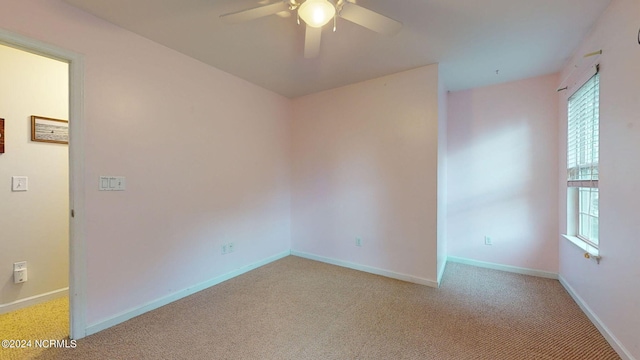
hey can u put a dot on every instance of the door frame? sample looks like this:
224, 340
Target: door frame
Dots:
77, 260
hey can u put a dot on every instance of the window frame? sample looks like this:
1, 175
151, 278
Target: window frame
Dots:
576, 181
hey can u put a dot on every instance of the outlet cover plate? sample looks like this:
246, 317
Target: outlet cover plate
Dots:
20, 276
19, 183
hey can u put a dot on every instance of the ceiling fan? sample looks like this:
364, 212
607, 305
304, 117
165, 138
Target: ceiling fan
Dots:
316, 14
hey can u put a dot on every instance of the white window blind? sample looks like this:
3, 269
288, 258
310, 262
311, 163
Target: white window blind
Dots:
583, 156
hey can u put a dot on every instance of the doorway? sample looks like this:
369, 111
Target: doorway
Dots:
74, 212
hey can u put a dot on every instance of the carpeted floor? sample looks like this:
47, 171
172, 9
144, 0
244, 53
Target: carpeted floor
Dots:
49, 320
301, 309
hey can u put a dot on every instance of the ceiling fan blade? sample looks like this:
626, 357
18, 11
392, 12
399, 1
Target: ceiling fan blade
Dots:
312, 39
255, 13
369, 19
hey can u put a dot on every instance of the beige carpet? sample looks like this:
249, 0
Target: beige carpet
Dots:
49, 320
300, 309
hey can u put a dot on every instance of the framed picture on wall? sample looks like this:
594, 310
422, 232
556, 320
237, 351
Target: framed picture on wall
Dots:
49, 130
1, 136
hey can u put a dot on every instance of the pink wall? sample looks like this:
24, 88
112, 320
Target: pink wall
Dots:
502, 171
365, 165
611, 290
206, 158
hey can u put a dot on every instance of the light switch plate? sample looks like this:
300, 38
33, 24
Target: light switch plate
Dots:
111, 183
19, 183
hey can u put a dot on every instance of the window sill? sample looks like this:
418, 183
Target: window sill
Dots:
582, 245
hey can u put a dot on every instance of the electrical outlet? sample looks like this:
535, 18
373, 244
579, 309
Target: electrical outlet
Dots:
19, 272
228, 248
358, 242
488, 241
19, 183
20, 276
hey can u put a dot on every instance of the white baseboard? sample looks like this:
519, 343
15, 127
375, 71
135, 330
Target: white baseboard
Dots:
129, 314
441, 270
507, 268
613, 341
369, 269
33, 300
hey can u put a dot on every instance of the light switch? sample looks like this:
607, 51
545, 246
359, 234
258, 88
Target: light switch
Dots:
19, 183
112, 183
104, 183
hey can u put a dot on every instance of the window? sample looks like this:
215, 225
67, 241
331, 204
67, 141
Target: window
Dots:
582, 162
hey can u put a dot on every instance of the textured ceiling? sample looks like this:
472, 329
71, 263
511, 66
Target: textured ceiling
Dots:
469, 39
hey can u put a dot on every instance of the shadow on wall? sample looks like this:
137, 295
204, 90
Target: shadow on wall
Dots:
490, 186
501, 159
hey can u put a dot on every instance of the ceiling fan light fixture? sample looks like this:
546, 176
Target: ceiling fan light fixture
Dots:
317, 13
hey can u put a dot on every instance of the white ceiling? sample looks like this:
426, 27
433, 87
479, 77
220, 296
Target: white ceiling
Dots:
471, 39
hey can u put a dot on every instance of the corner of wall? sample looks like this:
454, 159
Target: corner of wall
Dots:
442, 176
